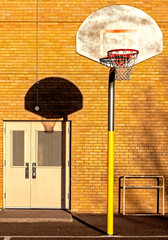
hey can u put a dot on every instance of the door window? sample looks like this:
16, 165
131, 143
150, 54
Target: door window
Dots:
18, 148
50, 148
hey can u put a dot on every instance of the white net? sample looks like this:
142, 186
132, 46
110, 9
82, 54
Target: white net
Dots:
123, 73
122, 60
48, 126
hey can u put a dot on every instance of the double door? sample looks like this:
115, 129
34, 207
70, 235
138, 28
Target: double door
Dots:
36, 165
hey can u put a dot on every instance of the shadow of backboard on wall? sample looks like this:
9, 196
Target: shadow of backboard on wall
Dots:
57, 98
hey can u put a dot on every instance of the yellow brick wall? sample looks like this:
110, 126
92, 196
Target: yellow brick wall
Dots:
141, 106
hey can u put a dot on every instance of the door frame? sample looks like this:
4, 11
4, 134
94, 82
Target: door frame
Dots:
4, 159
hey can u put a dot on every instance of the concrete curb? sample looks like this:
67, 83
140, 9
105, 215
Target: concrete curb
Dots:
31, 220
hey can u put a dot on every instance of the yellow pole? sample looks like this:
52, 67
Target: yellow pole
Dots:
110, 182
110, 214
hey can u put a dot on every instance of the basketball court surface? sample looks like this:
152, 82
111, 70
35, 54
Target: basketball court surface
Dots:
90, 226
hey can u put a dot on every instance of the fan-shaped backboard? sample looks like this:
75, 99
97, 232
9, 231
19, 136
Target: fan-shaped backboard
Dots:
118, 27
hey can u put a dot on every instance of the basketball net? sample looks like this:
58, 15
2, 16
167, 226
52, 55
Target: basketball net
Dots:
122, 60
123, 73
48, 126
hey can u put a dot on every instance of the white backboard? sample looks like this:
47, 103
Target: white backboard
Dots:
117, 27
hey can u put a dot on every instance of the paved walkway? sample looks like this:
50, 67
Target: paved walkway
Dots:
88, 226
35, 216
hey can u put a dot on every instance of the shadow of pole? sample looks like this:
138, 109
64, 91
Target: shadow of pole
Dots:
89, 225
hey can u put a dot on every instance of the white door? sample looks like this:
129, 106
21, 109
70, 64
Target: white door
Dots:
17, 151
36, 165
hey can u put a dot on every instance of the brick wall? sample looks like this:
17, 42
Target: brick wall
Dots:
141, 112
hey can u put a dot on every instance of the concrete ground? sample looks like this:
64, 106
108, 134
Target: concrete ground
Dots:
89, 226
22, 215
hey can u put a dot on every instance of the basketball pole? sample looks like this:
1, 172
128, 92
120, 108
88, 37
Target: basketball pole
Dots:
110, 214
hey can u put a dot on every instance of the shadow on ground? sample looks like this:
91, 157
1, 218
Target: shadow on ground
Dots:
92, 225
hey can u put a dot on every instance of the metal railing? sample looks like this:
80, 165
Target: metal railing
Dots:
158, 187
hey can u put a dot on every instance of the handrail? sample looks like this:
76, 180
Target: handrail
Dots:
158, 186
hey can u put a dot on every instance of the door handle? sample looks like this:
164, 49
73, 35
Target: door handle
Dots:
34, 170
27, 170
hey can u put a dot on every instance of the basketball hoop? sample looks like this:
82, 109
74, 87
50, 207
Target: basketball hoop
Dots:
122, 60
48, 126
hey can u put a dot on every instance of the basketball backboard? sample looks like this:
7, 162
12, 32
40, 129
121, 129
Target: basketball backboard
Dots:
119, 27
